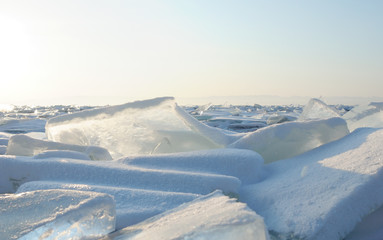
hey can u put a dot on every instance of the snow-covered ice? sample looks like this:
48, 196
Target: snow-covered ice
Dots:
244, 164
213, 216
323, 193
56, 214
22, 145
16, 170
289, 139
132, 205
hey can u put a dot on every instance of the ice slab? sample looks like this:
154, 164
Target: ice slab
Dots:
317, 109
367, 115
16, 170
323, 193
132, 205
22, 145
56, 214
289, 139
214, 216
244, 164
141, 127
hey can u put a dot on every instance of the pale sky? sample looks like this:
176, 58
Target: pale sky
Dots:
140, 49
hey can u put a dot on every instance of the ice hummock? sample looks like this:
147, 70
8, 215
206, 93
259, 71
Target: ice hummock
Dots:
22, 145
56, 214
213, 216
317, 109
322, 194
141, 127
289, 139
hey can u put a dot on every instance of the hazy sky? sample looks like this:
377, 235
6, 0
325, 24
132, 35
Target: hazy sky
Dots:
191, 48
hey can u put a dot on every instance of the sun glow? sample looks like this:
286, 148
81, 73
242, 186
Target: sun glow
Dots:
15, 51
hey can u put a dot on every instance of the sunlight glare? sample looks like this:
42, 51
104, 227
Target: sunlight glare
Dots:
14, 49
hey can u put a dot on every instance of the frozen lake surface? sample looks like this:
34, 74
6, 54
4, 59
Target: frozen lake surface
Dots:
155, 170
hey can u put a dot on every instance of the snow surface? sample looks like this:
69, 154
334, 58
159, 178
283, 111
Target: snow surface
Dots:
56, 214
213, 216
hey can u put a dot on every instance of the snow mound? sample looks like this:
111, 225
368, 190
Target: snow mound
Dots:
141, 127
370, 115
214, 216
324, 193
56, 214
289, 139
22, 145
317, 109
246, 165
132, 205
